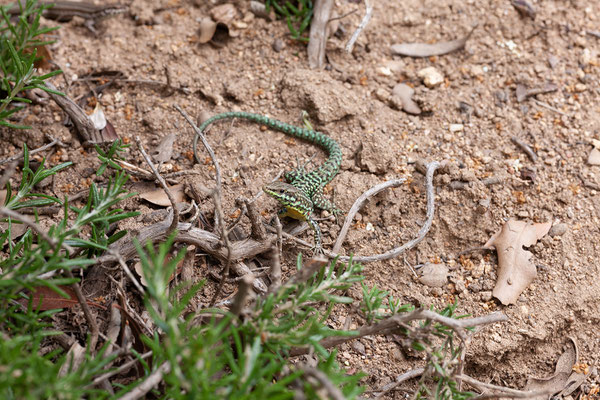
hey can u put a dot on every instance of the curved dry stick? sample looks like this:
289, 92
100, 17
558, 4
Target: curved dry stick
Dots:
175, 219
216, 195
363, 24
459, 326
504, 391
149, 383
209, 149
31, 152
358, 205
395, 252
33, 226
413, 373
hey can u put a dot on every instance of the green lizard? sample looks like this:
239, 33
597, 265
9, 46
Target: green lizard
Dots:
303, 191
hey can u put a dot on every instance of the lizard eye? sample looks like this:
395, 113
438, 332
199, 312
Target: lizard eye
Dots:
281, 191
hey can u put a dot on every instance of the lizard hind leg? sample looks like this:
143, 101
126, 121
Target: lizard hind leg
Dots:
323, 203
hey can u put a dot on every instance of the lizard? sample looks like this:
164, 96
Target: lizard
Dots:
64, 11
303, 190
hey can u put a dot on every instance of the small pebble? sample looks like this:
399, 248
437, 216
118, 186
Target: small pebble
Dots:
483, 205
384, 71
358, 347
278, 45
431, 76
594, 157
434, 275
456, 127
486, 295
586, 57
558, 230
382, 94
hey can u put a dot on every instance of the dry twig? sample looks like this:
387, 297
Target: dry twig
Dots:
358, 205
332, 390
53, 143
175, 219
525, 147
318, 33
459, 326
395, 252
82, 121
363, 24
503, 391
413, 373
149, 383
242, 295
216, 195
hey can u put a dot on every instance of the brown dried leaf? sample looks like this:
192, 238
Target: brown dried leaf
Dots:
140, 271
44, 298
164, 150
75, 357
515, 270
109, 133
427, 50
159, 197
564, 380
16, 230
404, 93
522, 92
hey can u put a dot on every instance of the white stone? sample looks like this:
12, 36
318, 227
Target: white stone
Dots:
431, 77
456, 127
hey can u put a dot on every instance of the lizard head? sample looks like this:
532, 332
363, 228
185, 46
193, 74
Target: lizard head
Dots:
295, 201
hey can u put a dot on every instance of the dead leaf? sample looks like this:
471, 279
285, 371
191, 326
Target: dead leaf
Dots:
564, 380
16, 230
404, 94
98, 117
138, 268
163, 152
109, 133
74, 359
44, 298
522, 92
140, 271
43, 58
427, 50
159, 197
515, 270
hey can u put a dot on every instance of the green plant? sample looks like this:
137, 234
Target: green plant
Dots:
374, 307
297, 14
443, 359
37, 259
18, 43
244, 357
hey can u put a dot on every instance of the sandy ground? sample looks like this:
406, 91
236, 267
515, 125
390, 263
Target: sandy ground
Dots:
468, 119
